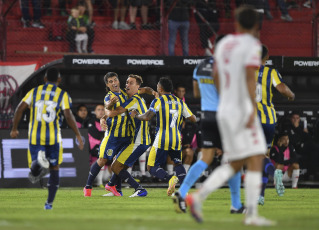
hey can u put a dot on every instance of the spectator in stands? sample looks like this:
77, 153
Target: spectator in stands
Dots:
96, 135
284, 157
228, 8
120, 7
206, 16
48, 9
144, 4
283, 9
81, 116
36, 14
77, 32
84, 14
178, 21
90, 10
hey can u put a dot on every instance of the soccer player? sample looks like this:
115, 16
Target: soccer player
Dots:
237, 57
45, 146
117, 136
169, 111
140, 141
268, 78
204, 88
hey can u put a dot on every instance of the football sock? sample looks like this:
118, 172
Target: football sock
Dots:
286, 177
186, 167
180, 173
252, 191
118, 184
219, 176
170, 169
295, 178
191, 177
234, 186
35, 168
269, 168
160, 173
129, 170
264, 185
113, 180
53, 185
141, 161
95, 169
124, 175
98, 178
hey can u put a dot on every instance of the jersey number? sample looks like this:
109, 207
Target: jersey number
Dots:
258, 92
49, 114
175, 116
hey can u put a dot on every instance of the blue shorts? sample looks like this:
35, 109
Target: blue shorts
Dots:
111, 146
269, 131
131, 153
158, 157
54, 153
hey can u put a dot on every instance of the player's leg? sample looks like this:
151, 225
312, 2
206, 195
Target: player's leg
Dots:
188, 155
37, 171
293, 173
234, 186
156, 158
170, 166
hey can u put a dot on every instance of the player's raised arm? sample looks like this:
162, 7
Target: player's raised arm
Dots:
72, 123
16, 119
285, 91
147, 90
143, 117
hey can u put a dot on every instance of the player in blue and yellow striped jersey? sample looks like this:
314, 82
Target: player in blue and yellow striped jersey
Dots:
267, 78
170, 112
141, 137
45, 103
119, 133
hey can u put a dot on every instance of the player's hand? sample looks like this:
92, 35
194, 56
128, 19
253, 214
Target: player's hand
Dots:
155, 94
133, 113
251, 120
291, 98
14, 133
81, 144
114, 100
103, 124
218, 152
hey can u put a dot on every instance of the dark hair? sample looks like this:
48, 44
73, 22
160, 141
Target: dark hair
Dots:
218, 38
264, 52
180, 86
109, 75
247, 16
138, 78
79, 107
294, 113
283, 133
166, 84
52, 74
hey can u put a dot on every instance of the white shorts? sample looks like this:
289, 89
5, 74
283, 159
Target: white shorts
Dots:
241, 142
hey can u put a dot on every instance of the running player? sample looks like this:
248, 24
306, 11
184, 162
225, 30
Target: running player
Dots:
237, 57
169, 111
204, 88
267, 78
45, 146
141, 137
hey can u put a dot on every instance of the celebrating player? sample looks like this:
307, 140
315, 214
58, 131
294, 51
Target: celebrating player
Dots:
169, 111
45, 146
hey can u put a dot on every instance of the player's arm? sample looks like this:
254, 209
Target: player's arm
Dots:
17, 117
196, 91
147, 90
72, 124
110, 103
143, 117
187, 113
251, 86
215, 76
112, 113
285, 91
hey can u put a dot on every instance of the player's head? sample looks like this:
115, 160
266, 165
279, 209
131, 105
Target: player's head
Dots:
247, 19
52, 75
180, 91
264, 53
99, 111
82, 111
283, 139
112, 81
165, 85
133, 83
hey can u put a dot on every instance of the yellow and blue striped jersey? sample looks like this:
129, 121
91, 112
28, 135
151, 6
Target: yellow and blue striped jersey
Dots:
170, 111
118, 126
46, 102
266, 78
141, 134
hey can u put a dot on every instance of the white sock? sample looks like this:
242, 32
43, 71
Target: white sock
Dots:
219, 176
142, 161
129, 170
252, 191
98, 178
285, 177
106, 174
295, 178
186, 166
170, 169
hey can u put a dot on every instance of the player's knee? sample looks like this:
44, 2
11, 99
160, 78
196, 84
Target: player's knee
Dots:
101, 162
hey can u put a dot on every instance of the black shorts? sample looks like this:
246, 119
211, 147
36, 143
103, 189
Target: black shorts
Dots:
140, 2
114, 3
210, 137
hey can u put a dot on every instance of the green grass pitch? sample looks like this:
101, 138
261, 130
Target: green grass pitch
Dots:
23, 209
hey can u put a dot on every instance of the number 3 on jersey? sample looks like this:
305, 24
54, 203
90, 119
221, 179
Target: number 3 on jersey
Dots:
49, 113
174, 112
